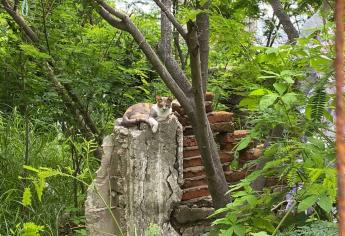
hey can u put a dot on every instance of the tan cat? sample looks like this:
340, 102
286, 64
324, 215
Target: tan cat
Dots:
148, 113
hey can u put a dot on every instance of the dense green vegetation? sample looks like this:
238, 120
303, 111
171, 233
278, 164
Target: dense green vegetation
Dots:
280, 91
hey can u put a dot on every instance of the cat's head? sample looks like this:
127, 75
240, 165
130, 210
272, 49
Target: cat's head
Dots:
164, 103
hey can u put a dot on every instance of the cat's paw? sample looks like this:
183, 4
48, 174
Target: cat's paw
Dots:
154, 128
153, 124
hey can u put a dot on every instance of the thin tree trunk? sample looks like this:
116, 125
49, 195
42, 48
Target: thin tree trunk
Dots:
166, 34
215, 176
202, 21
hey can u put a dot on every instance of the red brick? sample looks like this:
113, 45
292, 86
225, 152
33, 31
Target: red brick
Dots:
240, 133
226, 156
184, 121
250, 154
194, 182
235, 176
191, 153
223, 127
192, 161
227, 147
226, 138
177, 108
195, 192
209, 96
192, 172
187, 131
195, 171
219, 116
189, 141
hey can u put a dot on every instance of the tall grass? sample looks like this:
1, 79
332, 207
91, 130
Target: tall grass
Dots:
47, 147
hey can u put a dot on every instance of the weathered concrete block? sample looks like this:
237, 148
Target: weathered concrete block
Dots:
141, 179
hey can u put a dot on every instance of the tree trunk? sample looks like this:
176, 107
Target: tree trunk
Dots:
285, 20
215, 176
166, 34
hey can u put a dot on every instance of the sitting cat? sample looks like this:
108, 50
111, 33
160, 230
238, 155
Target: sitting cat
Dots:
148, 113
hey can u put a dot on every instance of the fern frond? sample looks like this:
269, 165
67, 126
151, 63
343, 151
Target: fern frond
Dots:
318, 104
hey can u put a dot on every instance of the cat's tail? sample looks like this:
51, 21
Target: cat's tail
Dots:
126, 122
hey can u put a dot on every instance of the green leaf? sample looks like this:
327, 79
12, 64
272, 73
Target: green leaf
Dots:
251, 199
280, 88
258, 92
239, 230
250, 102
268, 100
326, 203
227, 232
307, 202
328, 116
26, 197
289, 99
243, 143
271, 150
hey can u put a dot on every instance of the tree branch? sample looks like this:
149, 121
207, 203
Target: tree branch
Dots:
128, 25
31, 35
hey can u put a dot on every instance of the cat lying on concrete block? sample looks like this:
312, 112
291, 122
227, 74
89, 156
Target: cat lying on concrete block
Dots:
148, 113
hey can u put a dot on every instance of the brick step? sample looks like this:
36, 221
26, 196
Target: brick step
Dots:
235, 175
252, 153
234, 137
213, 117
225, 157
200, 179
194, 182
195, 192
195, 171
222, 127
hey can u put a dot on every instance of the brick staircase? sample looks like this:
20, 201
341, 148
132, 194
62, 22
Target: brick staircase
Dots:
195, 184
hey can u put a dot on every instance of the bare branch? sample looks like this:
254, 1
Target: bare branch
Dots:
177, 74
111, 10
106, 15
172, 19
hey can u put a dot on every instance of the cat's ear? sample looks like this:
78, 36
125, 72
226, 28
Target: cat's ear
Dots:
170, 99
158, 98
